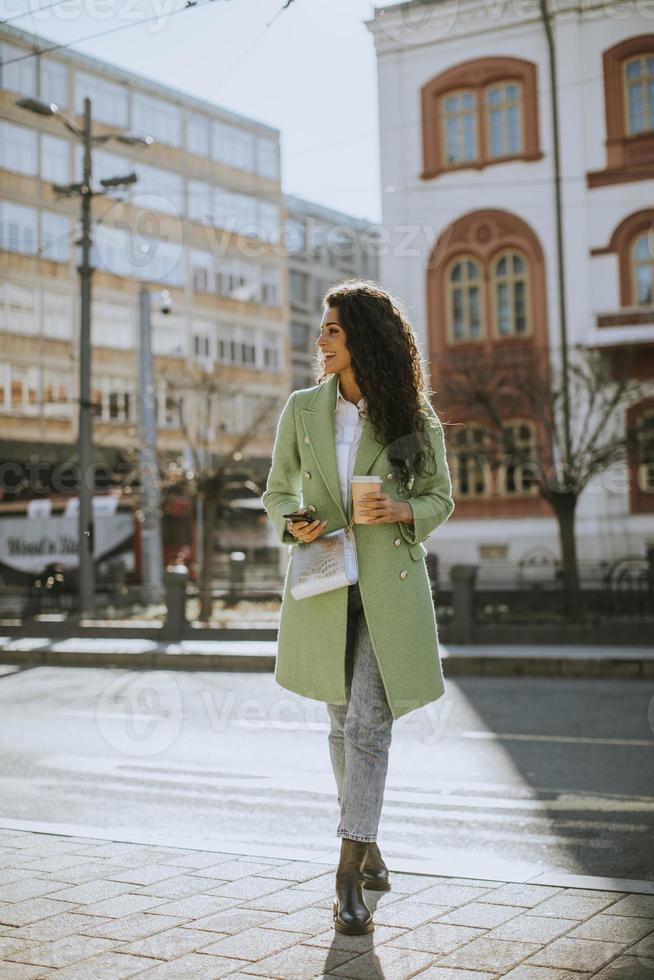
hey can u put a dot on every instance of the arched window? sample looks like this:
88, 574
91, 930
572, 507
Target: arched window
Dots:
517, 470
510, 304
504, 119
642, 268
470, 462
639, 93
459, 121
480, 112
645, 451
464, 300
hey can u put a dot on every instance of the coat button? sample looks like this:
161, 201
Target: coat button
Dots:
311, 508
397, 542
403, 573
389, 476
306, 439
307, 475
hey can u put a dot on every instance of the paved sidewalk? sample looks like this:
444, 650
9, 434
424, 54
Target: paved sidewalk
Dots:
86, 908
563, 660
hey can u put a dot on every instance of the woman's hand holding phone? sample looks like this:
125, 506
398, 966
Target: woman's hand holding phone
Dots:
302, 528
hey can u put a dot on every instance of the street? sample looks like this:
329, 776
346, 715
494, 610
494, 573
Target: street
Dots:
556, 775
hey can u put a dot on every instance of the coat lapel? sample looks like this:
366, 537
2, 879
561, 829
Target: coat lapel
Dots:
319, 425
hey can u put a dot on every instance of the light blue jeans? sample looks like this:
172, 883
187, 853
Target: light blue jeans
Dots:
360, 732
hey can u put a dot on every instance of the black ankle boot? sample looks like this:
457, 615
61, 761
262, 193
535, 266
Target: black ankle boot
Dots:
375, 873
351, 914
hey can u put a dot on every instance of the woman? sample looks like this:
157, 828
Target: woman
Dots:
370, 651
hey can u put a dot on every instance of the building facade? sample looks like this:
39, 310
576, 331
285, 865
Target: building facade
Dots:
204, 221
324, 247
469, 208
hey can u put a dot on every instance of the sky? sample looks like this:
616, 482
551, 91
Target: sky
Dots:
311, 74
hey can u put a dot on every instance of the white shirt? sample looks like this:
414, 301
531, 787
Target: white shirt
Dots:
348, 426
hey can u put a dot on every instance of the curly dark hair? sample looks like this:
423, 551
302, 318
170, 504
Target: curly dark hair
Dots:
388, 369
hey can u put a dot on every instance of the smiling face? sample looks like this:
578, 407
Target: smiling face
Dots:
332, 341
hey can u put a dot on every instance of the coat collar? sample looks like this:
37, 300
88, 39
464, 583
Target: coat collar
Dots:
318, 418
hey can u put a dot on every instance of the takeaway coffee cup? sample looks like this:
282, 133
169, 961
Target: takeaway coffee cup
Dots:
362, 485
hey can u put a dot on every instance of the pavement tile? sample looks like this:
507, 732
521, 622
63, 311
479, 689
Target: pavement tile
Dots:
287, 900
196, 906
447, 973
408, 913
480, 915
195, 965
23, 913
133, 927
252, 944
613, 928
88, 871
106, 966
517, 893
126, 904
195, 859
300, 963
526, 972
53, 862
634, 905
532, 928
91, 892
407, 884
249, 888
64, 951
180, 887
293, 871
321, 882
236, 919
433, 937
19, 891
627, 968
489, 954
445, 894
21, 971
170, 944
58, 926
148, 874
310, 920
576, 954
359, 944
644, 948
235, 868
388, 962
13, 944
7, 875
569, 905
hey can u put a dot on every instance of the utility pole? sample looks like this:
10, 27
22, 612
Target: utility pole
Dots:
152, 551
85, 191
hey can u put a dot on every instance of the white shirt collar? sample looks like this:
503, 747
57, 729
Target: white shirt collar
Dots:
360, 405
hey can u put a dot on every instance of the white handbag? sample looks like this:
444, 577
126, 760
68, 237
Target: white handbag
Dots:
329, 562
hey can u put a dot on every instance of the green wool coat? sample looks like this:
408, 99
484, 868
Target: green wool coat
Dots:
393, 579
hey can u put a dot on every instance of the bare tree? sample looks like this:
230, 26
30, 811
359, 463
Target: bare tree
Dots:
197, 396
493, 389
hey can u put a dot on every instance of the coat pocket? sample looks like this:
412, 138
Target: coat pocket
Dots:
417, 550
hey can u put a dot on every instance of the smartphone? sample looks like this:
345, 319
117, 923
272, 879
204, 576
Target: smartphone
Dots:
296, 517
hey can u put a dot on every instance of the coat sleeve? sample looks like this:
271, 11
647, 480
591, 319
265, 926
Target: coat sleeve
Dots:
432, 502
283, 488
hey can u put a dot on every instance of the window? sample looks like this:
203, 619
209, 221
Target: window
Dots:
57, 394
202, 346
18, 149
510, 295
155, 117
113, 326
198, 135
271, 284
642, 264
233, 146
480, 112
516, 472
272, 350
465, 300
55, 237
113, 399
295, 234
470, 462
503, 119
164, 188
299, 287
459, 127
169, 336
55, 159
17, 69
54, 82
109, 101
301, 337
239, 280
268, 219
18, 226
268, 158
57, 315
639, 93
18, 309
200, 201
646, 451
202, 271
